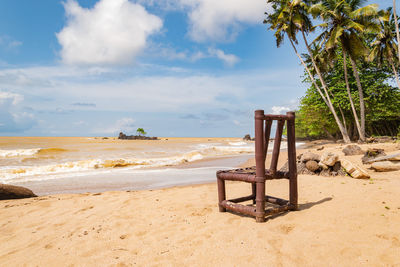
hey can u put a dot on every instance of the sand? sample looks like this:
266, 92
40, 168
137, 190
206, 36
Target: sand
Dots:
341, 222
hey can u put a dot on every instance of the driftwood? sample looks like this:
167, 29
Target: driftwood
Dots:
394, 157
258, 175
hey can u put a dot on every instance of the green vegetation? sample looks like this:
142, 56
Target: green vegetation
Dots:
349, 66
140, 132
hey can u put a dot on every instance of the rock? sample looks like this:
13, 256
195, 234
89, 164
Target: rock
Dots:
310, 156
354, 170
352, 150
371, 154
393, 157
386, 166
285, 167
323, 166
371, 140
337, 166
329, 158
320, 148
341, 172
312, 165
247, 137
301, 169
123, 136
13, 192
326, 173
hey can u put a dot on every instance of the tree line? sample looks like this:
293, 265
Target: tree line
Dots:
354, 52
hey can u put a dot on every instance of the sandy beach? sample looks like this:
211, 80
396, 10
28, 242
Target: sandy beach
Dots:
341, 222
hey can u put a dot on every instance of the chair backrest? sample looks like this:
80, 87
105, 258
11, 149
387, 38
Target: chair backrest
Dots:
262, 137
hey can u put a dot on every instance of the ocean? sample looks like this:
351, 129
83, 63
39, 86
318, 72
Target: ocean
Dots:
90, 164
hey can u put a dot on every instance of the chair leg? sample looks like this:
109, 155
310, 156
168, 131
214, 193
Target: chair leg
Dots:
221, 193
253, 192
260, 202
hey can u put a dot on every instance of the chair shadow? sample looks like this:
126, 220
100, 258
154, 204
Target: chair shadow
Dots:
300, 208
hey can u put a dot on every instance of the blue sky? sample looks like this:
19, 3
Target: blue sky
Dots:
172, 67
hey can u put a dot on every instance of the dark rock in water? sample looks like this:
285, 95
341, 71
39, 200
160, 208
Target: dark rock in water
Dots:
352, 150
123, 136
13, 192
247, 137
371, 154
312, 165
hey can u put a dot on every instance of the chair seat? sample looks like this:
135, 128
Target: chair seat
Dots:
249, 174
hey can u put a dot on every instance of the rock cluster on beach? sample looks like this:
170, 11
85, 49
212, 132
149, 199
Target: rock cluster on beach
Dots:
331, 164
14, 192
135, 137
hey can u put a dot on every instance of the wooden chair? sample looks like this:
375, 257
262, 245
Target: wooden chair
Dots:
258, 175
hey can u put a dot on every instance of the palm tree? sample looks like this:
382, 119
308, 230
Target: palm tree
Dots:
384, 46
288, 18
345, 22
397, 28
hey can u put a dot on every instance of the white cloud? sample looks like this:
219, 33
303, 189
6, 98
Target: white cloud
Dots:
113, 32
9, 42
221, 19
125, 125
228, 59
12, 117
10, 98
279, 109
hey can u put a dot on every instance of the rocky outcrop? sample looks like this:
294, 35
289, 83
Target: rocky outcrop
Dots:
350, 150
353, 170
247, 137
386, 166
135, 137
14, 192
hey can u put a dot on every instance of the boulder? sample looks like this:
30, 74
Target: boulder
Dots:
372, 153
326, 173
323, 166
353, 170
386, 166
310, 156
329, 158
301, 169
337, 166
13, 192
393, 157
312, 165
352, 150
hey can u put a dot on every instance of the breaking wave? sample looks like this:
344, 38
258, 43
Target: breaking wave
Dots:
13, 153
25, 173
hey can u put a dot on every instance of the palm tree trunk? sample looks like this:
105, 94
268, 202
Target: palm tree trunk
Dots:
346, 79
361, 96
397, 28
342, 129
309, 72
395, 72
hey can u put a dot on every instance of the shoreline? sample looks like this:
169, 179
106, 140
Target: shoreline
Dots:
341, 221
